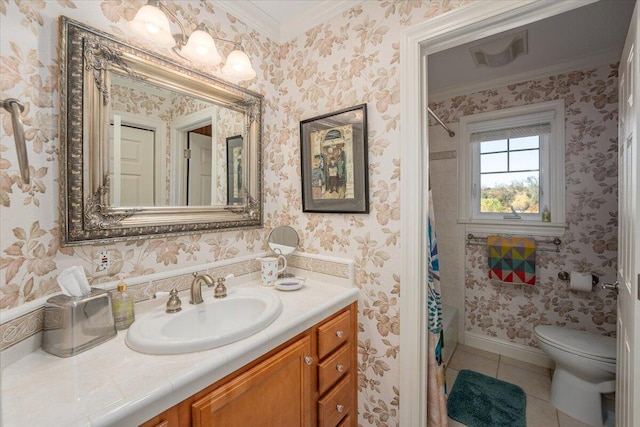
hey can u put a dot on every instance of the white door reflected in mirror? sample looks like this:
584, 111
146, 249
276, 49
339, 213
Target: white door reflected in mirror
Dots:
200, 170
131, 175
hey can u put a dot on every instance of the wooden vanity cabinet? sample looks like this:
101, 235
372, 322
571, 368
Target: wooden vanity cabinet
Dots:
309, 381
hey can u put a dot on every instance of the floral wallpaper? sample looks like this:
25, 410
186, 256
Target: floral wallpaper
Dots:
511, 313
31, 255
351, 59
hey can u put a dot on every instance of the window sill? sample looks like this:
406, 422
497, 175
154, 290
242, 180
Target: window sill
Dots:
518, 227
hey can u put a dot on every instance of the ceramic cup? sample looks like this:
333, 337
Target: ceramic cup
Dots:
270, 269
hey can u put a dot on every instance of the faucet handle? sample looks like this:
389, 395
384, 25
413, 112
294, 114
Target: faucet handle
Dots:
220, 290
174, 304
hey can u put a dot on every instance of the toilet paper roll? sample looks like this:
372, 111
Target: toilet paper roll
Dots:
580, 282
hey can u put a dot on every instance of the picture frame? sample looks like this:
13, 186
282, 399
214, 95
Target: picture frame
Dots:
334, 162
235, 190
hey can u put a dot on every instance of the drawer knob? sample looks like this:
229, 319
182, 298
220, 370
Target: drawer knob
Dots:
339, 334
340, 408
339, 367
308, 360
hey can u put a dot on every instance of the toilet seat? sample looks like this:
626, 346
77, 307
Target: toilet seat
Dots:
581, 343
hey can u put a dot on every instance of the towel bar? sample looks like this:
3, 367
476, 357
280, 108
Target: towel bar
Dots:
482, 241
15, 107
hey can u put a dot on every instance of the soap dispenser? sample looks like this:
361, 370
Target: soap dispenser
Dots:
546, 215
123, 307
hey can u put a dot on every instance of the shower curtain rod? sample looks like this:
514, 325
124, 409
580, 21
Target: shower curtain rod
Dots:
449, 131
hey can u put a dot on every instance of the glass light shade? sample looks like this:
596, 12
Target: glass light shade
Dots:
238, 66
201, 48
153, 25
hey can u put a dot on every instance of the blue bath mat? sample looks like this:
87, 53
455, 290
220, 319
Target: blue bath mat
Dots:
478, 400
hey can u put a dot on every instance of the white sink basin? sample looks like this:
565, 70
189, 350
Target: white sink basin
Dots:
214, 323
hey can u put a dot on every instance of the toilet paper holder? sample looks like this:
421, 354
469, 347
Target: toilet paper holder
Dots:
564, 276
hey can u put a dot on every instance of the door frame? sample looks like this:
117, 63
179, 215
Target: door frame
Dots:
465, 24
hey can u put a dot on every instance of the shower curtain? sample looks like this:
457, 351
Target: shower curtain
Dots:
436, 386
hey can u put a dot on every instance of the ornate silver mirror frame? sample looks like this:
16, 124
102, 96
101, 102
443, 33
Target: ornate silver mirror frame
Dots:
87, 59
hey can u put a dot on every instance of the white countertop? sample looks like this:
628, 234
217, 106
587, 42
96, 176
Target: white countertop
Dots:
114, 385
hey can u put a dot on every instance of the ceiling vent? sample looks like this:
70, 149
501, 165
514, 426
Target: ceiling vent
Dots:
500, 52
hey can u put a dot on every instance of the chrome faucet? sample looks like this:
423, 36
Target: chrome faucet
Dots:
196, 287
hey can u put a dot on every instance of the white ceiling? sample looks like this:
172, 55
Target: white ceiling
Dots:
587, 36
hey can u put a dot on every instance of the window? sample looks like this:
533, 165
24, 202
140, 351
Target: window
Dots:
507, 173
511, 168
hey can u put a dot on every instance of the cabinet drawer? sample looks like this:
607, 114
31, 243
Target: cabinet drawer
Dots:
333, 334
332, 369
336, 404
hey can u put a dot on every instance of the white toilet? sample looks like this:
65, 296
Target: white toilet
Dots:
585, 368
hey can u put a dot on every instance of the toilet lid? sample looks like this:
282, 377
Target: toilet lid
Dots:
581, 343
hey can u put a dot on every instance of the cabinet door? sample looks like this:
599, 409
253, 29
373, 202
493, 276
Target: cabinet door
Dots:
276, 392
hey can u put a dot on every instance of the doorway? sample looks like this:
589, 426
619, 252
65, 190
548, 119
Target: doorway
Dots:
474, 21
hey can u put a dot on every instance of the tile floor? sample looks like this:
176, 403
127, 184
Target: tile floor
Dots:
534, 380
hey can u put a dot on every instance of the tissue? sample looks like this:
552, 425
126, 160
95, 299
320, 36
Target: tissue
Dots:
580, 282
73, 282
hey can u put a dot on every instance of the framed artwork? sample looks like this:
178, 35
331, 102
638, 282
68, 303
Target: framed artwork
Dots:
235, 190
333, 151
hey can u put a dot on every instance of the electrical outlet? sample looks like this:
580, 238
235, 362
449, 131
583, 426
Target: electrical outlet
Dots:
103, 263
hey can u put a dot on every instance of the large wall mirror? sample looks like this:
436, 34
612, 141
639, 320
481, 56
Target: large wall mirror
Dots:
150, 148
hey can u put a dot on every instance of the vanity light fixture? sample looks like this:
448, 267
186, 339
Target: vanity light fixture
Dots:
152, 24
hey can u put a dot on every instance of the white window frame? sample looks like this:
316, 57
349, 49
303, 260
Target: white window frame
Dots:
552, 174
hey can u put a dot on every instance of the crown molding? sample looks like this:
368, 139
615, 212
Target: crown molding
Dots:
253, 17
599, 58
282, 32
